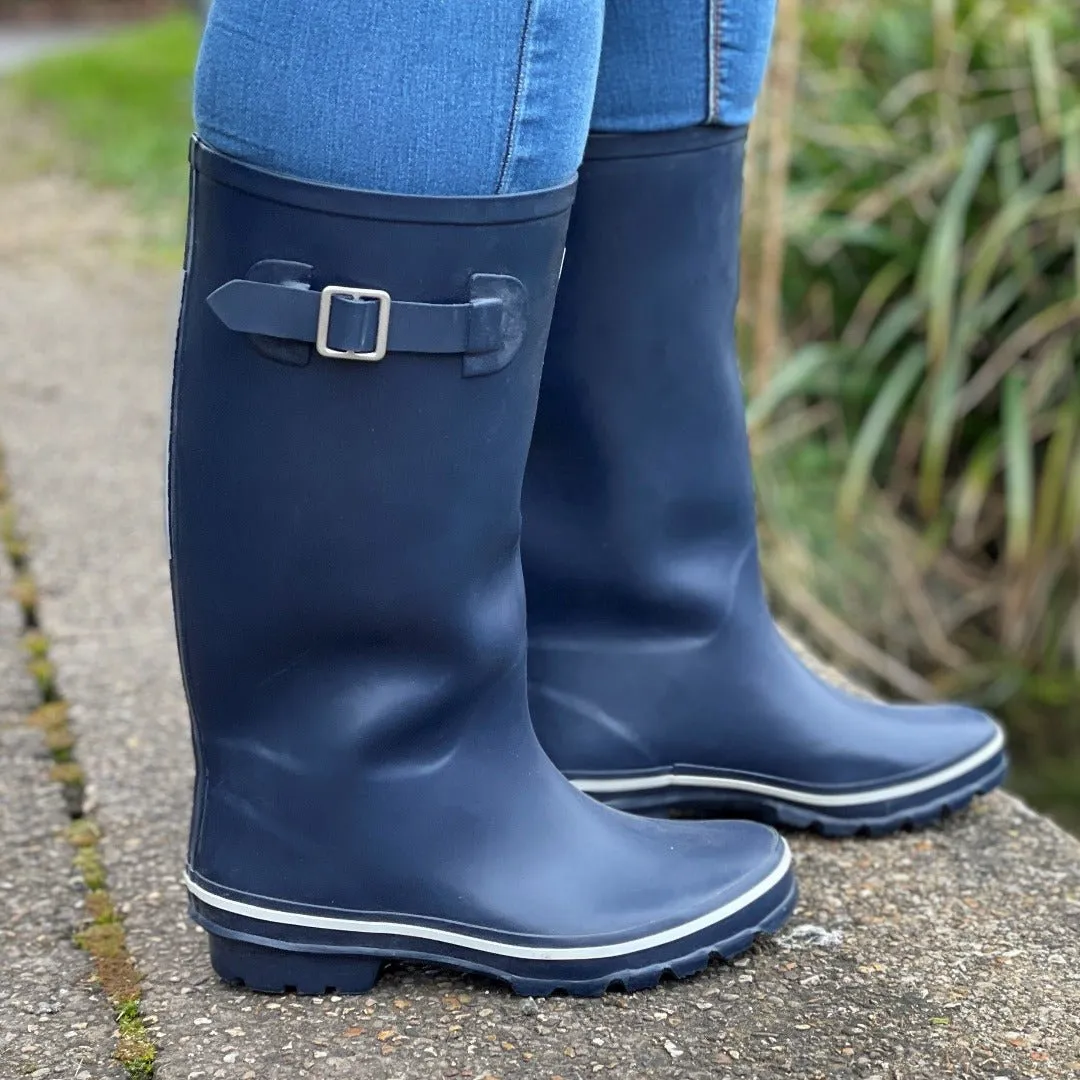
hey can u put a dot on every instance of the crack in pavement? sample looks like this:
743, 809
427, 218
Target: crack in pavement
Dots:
101, 932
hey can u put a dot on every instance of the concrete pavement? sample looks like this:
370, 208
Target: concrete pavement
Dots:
952, 953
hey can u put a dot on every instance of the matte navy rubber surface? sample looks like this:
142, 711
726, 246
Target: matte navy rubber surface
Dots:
262, 963
653, 657
351, 611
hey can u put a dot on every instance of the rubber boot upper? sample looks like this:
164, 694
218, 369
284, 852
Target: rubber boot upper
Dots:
652, 649
349, 595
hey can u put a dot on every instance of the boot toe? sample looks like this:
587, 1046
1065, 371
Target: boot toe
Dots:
724, 882
953, 734
902, 749
903, 766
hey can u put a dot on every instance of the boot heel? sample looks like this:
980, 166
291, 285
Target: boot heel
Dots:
274, 971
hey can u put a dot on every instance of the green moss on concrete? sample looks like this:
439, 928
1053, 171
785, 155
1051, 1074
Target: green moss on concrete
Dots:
83, 833
24, 592
36, 644
135, 1050
88, 862
99, 907
43, 673
67, 772
60, 744
103, 938
49, 716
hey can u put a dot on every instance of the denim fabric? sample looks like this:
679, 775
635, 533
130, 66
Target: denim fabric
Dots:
667, 64
740, 35
453, 97
431, 97
654, 66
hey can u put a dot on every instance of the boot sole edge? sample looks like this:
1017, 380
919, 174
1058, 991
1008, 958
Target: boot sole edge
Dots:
868, 820
271, 965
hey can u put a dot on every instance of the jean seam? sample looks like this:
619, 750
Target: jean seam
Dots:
519, 94
712, 112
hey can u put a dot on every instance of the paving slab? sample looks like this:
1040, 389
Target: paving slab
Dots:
951, 953
54, 1023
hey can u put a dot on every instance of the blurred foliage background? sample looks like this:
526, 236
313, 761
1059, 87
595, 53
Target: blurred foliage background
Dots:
910, 325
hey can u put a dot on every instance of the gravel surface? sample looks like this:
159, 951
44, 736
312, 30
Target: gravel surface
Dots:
952, 953
53, 1023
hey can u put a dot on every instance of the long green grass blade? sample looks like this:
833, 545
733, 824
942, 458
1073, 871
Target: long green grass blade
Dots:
1055, 321
1010, 219
875, 297
1069, 536
893, 328
945, 406
794, 376
948, 361
991, 311
1045, 74
973, 487
1019, 470
875, 429
940, 268
1053, 484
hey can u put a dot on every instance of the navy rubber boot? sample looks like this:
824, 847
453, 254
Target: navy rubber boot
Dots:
658, 679
353, 398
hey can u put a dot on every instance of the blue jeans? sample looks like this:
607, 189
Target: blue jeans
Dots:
460, 97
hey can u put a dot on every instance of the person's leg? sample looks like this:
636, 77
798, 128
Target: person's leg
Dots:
433, 97
667, 65
353, 398
657, 676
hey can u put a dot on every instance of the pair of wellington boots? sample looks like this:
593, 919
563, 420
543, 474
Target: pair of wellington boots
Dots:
354, 532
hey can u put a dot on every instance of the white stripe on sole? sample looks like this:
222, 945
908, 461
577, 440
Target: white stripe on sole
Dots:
615, 785
498, 948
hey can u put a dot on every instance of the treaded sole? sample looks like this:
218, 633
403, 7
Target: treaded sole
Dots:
264, 968
787, 815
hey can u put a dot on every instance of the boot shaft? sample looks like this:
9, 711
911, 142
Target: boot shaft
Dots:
638, 502
345, 533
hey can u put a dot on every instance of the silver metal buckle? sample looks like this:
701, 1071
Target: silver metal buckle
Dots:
382, 334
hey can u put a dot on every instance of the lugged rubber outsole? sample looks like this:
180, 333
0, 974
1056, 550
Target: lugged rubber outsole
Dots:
787, 815
263, 966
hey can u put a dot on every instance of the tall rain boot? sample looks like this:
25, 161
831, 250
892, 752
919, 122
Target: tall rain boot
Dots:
658, 679
354, 393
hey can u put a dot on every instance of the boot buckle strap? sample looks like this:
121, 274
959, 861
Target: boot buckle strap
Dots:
322, 327
287, 317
